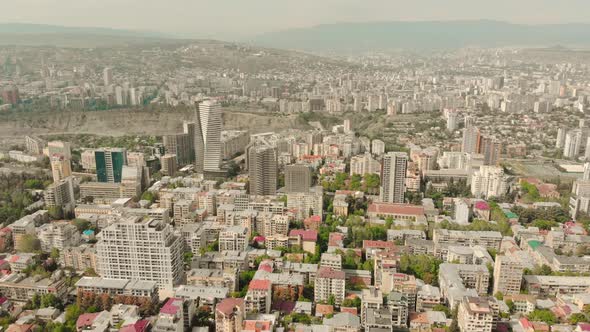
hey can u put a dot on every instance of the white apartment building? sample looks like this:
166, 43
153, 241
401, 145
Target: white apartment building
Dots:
488, 182
143, 249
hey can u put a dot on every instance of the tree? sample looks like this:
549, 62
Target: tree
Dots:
331, 299
499, 296
56, 212
511, 306
149, 196
72, 313
81, 224
29, 243
577, 318
442, 308
50, 300
543, 315
54, 254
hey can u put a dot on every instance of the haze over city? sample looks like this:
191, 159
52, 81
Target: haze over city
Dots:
236, 20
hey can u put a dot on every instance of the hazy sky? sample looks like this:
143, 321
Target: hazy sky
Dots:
234, 19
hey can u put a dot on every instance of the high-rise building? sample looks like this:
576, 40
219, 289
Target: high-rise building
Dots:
572, 144
508, 273
109, 164
152, 252
60, 167
60, 194
169, 165
471, 137
107, 76
489, 181
364, 164
452, 121
207, 144
262, 169
34, 145
377, 147
297, 178
393, 177
560, 141
491, 149
180, 145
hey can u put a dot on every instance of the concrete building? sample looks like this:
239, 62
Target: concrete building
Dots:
297, 178
329, 282
489, 181
152, 252
59, 235
508, 273
364, 164
393, 177
229, 315
61, 194
34, 145
233, 238
169, 164
475, 315
262, 170
60, 167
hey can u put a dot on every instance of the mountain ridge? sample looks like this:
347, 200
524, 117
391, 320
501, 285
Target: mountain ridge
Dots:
387, 35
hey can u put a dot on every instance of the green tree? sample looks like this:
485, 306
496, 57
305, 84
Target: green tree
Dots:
543, 315
442, 308
331, 299
577, 318
54, 254
499, 296
56, 212
29, 243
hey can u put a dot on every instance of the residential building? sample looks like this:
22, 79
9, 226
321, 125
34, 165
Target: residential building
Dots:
508, 273
475, 315
297, 178
262, 169
393, 177
329, 283
152, 252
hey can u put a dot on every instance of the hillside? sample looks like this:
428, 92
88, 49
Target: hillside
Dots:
376, 36
129, 122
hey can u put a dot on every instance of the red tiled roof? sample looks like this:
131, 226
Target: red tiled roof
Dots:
335, 239
86, 320
139, 326
171, 307
330, 273
396, 209
226, 306
351, 310
324, 309
306, 235
259, 285
378, 244
257, 325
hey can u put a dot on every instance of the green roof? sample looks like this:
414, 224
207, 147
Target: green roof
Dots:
510, 215
534, 244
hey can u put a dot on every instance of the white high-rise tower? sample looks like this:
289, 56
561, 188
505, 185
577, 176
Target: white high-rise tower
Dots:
208, 145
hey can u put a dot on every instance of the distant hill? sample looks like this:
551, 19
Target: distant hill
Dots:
41, 34
358, 37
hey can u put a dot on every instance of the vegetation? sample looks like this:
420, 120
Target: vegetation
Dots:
29, 243
543, 315
15, 195
422, 266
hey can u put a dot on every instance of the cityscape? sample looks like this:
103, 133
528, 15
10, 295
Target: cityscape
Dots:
303, 180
